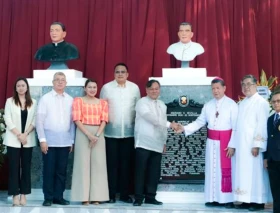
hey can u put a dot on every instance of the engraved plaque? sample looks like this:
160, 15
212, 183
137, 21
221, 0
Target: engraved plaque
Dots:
184, 160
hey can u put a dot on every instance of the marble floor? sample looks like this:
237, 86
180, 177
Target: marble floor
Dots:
174, 202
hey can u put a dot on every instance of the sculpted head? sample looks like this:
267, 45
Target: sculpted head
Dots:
249, 85
185, 33
57, 32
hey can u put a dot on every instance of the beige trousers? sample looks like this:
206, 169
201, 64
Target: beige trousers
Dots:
89, 180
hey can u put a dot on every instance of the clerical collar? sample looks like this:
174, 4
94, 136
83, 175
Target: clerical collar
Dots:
59, 43
220, 100
186, 44
253, 95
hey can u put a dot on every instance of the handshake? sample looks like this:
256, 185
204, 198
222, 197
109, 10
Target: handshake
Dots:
177, 128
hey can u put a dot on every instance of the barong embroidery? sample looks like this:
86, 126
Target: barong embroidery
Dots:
259, 138
240, 192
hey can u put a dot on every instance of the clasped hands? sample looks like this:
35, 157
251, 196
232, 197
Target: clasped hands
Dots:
177, 128
22, 137
92, 140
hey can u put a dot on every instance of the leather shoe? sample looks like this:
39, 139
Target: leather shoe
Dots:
126, 200
229, 205
47, 203
137, 203
256, 207
243, 206
212, 204
154, 202
112, 200
61, 202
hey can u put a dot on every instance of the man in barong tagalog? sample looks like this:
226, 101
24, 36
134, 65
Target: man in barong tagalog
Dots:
59, 51
185, 50
220, 115
251, 184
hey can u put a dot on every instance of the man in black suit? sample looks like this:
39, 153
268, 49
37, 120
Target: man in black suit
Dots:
272, 154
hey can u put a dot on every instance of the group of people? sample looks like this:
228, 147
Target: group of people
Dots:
242, 147
121, 137
103, 160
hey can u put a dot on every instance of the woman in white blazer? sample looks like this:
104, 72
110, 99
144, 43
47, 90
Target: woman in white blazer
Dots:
20, 140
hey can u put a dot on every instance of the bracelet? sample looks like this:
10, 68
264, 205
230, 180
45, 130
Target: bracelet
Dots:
96, 135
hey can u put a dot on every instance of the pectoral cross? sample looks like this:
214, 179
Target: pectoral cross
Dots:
217, 114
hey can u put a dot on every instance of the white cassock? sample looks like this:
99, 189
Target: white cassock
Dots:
227, 113
251, 179
185, 52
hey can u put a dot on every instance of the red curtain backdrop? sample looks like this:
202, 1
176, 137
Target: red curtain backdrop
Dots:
239, 36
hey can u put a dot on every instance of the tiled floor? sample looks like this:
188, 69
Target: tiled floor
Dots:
174, 202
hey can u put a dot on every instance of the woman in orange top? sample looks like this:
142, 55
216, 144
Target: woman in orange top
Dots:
89, 181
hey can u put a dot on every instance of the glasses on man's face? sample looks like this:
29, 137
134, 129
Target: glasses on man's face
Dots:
243, 85
120, 72
60, 80
275, 101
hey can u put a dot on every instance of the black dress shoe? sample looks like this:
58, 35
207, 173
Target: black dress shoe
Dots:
126, 200
243, 206
47, 203
137, 203
112, 200
256, 207
212, 204
61, 202
229, 205
153, 201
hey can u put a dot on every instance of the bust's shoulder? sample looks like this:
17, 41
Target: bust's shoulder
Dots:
70, 45
46, 46
173, 46
197, 45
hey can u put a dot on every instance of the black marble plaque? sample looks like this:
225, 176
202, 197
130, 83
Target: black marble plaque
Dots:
184, 160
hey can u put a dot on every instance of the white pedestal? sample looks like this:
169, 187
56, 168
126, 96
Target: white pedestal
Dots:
45, 77
183, 72
184, 76
70, 73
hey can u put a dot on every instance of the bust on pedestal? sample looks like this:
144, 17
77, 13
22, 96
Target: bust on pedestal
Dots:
185, 50
59, 51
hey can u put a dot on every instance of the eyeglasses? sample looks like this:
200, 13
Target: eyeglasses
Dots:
246, 85
60, 80
120, 72
275, 101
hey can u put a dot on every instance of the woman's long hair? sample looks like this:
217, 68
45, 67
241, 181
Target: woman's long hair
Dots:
28, 99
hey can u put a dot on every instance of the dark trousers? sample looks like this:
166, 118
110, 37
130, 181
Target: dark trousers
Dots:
120, 161
54, 172
19, 170
147, 173
274, 178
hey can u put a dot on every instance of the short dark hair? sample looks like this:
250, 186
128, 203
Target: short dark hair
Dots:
150, 83
253, 78
218, 80
89, 81
185, 24
60, 24
121, 64
28, 99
